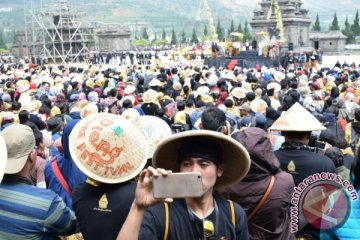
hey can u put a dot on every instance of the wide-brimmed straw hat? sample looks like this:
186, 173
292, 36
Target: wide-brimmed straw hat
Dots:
155, 83
203, 90
131, 114
89, 109
279, 76
297, 119
155, 131
235, 157
238, 93
22, 86
150, 96
258, 105
274, 85
129, 89
129, 97
230, 76
177, 86
108, 148
3, 157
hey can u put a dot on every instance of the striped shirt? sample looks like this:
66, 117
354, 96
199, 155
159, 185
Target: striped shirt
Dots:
28, 212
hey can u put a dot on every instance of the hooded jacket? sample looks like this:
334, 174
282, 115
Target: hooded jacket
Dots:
248, 192
69, 170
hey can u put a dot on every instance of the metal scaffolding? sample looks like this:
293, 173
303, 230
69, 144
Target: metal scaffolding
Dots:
54, 33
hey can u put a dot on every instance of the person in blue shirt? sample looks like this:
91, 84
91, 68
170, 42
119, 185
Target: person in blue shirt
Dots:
350, 229
67, 167
28, 212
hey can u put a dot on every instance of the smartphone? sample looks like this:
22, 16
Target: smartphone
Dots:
320, 145
178, 185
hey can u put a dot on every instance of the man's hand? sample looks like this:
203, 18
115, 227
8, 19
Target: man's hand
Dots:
144, 196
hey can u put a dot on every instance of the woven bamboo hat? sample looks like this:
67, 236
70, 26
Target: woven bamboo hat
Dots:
258, 105
235, 157
88, 110
155, 131
238, 93
150, 96
131, 114
274, 85
297, 119
129, 89
108, 148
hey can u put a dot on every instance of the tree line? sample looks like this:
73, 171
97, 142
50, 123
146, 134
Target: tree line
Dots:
193, 37
350, 30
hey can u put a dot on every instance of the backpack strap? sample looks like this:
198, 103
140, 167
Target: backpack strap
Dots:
232, 211
166, 233
110, 106
263, 199
59, 176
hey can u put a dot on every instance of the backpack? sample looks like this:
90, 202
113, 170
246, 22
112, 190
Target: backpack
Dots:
354, 142
111, 106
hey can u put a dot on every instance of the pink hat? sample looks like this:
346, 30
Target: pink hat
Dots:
8, 116
82, 96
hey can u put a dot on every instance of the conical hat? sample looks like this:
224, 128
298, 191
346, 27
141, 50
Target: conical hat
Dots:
155, 82
108, 148
3, 156
155, 131
297, 119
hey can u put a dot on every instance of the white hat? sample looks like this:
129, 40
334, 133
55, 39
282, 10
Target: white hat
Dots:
258, 105
89, 109
203, 90
129, 89
108, 148
297, 119
128, 97
238, 93
150, 96
155, 82
274, 85
155, 131
131, 114
279, 76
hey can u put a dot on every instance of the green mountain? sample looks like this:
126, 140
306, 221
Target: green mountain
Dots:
167, 14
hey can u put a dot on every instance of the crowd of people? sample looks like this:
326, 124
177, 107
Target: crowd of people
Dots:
80, 145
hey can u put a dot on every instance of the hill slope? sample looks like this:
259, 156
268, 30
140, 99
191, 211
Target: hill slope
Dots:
178, 14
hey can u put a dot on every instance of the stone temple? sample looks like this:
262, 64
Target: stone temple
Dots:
295, 24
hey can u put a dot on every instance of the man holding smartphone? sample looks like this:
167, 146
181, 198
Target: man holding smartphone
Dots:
221, 161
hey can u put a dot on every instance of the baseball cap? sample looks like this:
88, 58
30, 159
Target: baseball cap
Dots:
3, 157
20, 141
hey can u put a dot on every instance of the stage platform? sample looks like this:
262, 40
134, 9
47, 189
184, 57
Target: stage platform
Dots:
246, 59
